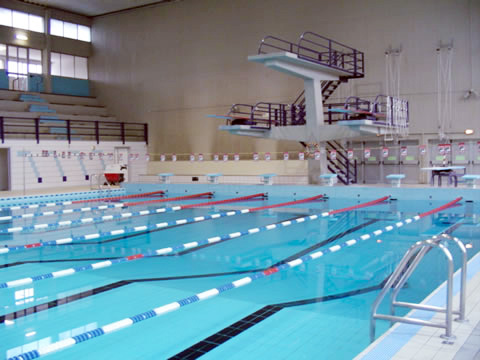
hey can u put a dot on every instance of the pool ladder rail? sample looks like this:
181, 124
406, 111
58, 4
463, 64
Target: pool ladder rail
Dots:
402, 273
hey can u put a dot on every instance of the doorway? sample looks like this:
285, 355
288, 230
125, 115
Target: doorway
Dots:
4, 170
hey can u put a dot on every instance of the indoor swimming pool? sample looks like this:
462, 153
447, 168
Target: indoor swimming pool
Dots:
217, 272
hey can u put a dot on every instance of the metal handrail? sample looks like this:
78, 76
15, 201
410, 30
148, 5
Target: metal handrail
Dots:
16, 125
403, 271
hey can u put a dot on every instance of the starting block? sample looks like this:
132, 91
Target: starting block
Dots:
267, 179
213, 178
396, 179
328, 179
164, 178
471, 180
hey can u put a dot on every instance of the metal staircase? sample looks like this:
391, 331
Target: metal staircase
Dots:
402, 273
345, 168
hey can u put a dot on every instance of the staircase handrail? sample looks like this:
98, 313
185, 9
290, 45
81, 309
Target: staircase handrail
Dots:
347, 161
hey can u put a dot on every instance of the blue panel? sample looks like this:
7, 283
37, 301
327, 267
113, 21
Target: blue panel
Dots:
3, 79
70, 86
35, 83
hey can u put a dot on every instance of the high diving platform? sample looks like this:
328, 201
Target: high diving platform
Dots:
323, 64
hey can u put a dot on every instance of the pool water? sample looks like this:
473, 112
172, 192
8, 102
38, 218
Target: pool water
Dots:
318, 310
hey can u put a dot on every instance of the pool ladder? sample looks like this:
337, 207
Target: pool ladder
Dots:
402, 273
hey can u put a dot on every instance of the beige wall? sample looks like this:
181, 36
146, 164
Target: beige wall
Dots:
171, 65
242, 167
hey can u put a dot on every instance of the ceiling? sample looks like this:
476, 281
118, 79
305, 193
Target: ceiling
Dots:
94, 7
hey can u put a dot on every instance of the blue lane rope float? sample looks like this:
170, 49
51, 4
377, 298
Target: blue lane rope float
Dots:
207, 294
190, 245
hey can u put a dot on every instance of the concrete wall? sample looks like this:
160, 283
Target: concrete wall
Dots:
65, 162
173, 64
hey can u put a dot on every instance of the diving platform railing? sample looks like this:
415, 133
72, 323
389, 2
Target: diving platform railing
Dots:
402, 273
383, 110
320, 50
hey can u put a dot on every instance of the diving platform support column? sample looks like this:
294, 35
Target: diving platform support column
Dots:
314, 112
312, 74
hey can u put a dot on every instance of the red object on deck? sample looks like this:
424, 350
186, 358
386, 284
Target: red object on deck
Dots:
112, 177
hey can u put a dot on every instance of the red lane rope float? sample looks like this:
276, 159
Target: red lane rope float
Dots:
119, 197
359, 206
223, 201
443, 207
287, 203
185, 197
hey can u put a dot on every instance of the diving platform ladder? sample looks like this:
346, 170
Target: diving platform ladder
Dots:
402, 273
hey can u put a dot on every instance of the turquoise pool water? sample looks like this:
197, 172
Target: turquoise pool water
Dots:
318, 310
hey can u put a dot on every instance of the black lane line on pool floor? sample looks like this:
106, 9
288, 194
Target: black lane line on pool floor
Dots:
203, 346
184, 252
98, 290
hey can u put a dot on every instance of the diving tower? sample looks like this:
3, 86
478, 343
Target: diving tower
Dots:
323, 64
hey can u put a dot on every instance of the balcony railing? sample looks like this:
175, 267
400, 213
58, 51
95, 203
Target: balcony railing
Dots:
70, 130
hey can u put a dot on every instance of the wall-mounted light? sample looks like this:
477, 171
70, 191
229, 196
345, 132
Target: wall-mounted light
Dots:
21, 37
469, 131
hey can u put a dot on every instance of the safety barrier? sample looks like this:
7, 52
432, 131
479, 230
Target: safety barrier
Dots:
164, 309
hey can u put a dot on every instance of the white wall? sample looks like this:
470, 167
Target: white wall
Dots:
173, 64
52, 169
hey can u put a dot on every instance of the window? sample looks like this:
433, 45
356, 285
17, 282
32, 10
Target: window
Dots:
21, 20
69, 66
20, 62
69, 30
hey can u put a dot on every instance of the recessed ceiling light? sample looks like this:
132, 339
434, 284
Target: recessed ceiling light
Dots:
21, 37
469, 131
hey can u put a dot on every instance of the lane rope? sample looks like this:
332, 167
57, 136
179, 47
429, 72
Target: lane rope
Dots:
129, 230
123, 197
93, 220
193, 244
62, 203
207, 294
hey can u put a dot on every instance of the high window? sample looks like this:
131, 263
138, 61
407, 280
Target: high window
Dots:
21, 20
19, 62
69, 66
69, 30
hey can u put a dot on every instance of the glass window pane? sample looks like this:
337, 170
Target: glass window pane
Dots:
3, 55
35, 54
22, 53
67, 65
81, 68
12, 66
20, 20
34, 68
84, 33
70, 30
55, 64
35, 23
5, 17
12, 51
56, 27
22, 67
